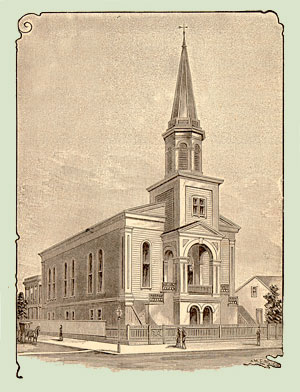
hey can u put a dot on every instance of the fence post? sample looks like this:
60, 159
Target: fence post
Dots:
220, 331
128, 332
149, 333
163, 334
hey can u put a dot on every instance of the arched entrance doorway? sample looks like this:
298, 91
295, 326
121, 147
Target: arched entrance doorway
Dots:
200, 267
194, 315
207, 316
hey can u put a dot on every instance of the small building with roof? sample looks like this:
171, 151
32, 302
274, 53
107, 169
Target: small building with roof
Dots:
33, 296
251, 298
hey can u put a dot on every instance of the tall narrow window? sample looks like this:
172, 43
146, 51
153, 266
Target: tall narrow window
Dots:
91, 314
66, 280
36, 297
122, 265
73, 278
49, 283
100, 270
197, 157
165, 277
90, 274
53, 283
146, 265
183, 157
168, 267
169, 159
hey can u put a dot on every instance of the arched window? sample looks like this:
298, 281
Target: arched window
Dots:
100, 270
66, 280
146, 265
53, 283
183, 157
90, 273
49, 283
197, 157
73, 278
169, 159
168, 274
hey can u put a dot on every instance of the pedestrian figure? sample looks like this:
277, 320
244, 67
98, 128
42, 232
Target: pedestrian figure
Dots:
61, 333
258, 336
183, 338
178, 338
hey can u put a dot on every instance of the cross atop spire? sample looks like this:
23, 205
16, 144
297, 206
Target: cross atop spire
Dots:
183, 27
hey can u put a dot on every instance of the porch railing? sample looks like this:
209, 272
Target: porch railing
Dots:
193, 289
224, 288
168, 286
233, 300
156, 298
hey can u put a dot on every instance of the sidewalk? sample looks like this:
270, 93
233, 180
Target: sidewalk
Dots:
204, 346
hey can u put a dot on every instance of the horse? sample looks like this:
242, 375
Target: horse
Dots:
32, 334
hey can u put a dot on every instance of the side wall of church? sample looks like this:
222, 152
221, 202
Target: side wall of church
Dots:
83, 301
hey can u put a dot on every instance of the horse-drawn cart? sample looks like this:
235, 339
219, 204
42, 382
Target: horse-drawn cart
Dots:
26, 334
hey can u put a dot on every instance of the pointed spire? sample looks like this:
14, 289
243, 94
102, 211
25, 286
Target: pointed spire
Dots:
184, 108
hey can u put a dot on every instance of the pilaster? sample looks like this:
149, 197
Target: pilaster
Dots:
128, 262
231, 268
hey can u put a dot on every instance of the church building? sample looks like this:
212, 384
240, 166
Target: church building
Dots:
171, 261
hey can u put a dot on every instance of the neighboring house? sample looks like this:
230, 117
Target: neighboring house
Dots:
251, 298
171, 261
33, 296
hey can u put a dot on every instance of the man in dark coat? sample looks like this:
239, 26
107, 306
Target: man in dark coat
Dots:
183, 338
258, 336
61, 333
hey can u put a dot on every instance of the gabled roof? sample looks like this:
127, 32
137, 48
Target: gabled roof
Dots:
154, 209
226, 224
199, 227
267, 281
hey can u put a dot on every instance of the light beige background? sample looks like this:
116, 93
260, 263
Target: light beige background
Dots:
95, 93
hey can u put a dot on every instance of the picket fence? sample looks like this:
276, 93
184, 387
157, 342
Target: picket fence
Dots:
165, 334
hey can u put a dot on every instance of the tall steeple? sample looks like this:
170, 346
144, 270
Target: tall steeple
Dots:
184, 108
184, 136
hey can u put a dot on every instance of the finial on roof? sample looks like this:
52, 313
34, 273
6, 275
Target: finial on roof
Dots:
183, 27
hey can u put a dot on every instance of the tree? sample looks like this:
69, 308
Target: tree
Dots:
273, 312
21, 307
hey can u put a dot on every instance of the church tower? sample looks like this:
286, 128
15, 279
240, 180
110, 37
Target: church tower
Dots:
189, 196
184, 136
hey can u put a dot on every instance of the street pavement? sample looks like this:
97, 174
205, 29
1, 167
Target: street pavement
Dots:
192, 347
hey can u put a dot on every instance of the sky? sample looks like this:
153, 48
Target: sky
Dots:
95, 93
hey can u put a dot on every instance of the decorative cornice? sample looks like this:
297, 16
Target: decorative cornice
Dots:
184, 174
